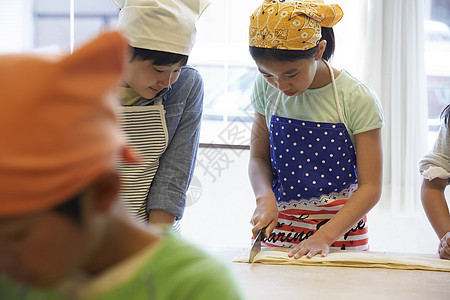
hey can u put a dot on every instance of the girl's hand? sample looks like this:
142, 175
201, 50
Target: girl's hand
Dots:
444, 246
265, 215
310, 247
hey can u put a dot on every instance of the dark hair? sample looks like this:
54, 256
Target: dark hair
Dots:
445, 114
328, 35
291, 55
159, 58
71, 208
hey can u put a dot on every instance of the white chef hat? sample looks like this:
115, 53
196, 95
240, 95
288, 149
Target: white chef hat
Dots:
163, 25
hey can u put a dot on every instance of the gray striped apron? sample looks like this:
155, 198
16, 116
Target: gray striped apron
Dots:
146, 130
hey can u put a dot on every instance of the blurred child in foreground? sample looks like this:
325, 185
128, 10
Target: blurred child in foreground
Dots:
63, 232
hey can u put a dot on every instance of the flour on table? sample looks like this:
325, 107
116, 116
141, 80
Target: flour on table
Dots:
355, 259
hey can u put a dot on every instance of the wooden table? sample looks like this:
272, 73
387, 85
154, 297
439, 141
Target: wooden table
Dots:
284, 282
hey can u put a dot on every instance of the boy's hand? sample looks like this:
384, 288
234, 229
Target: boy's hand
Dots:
310, 247
444, 246
265, 215
159, 216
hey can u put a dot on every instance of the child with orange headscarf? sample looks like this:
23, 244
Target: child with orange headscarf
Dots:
63, 232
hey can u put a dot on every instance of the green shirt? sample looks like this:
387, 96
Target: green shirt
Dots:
173, 270
128, 96
360, 106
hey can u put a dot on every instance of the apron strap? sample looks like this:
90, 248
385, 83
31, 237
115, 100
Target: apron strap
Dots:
276, 103
336, 98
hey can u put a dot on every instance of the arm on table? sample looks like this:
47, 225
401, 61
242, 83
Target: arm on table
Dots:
436, 209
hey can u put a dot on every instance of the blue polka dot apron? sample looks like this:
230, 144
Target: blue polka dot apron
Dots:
314, 174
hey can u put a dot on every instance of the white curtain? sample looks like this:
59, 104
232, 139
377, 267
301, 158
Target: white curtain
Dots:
394, 66
386, 40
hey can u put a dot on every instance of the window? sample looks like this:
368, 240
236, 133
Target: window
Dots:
16, 29
221, 55
437, 61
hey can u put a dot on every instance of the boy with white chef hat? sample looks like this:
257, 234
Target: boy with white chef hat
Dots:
162, 101
63, 232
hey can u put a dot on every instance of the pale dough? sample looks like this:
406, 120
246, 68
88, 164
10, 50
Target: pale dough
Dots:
355, 259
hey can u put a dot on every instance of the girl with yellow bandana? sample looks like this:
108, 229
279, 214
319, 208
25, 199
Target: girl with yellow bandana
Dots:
316, 159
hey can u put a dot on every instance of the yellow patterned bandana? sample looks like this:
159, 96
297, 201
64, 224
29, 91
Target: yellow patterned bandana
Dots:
291, 24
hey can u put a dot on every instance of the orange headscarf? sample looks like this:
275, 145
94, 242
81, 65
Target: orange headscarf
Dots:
58, 123
291, 24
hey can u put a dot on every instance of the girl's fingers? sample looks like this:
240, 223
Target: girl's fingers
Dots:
259, 225
325, 252
255, 230
298, 252
313, 252
269, 229
444, 250
292, 252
